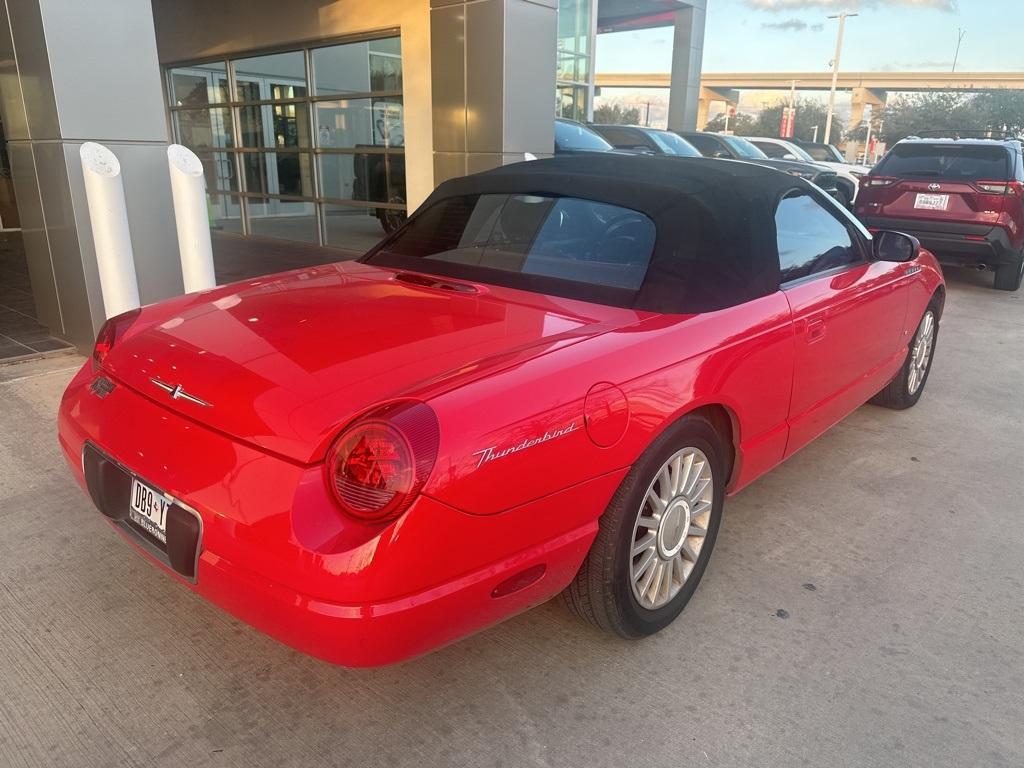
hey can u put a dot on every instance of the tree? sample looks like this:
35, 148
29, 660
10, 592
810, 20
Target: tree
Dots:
613, 113
952, 113
809, 113
1001, 110
740, 124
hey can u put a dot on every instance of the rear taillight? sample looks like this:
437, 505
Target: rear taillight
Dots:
379, 464
878, 181
1000, 187
110, 332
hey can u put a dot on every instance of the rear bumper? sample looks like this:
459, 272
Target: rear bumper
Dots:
274, 552
962, 244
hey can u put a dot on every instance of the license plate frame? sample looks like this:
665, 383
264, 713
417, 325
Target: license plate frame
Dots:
148, 508
927, 201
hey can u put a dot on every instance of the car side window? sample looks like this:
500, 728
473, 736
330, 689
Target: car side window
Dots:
772, 150
706, 145
810, 238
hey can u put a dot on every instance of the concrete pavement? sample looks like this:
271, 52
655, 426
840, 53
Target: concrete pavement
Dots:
863, 608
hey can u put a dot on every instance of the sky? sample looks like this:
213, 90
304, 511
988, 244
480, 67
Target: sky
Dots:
796, 35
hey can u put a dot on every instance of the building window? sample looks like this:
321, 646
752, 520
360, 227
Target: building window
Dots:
305, 145
575, 58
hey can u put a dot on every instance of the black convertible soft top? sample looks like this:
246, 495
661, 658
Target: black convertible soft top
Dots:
716, 242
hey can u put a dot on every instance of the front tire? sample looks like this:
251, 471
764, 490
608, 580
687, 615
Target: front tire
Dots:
905, 390
1009, 276
656, 536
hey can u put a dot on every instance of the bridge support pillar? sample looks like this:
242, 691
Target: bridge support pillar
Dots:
687, 58
862, 97
709, 95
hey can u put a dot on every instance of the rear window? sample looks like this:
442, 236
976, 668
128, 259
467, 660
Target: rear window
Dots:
569, 136
672, 144
951, 162
505, 238
622, 137
744, 148
706, 145
824, 154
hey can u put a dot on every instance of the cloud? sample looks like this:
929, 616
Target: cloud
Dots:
838, 5
817, 27
790, 25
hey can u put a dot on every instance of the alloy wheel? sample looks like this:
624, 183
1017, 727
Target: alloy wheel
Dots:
671, 528
921, 352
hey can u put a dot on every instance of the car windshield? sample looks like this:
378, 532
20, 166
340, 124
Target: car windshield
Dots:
512, 239
744, 148
673, 145
573, 136
824, 153
950, 161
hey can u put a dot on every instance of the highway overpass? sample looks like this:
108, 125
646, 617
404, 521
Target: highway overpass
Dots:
867, 87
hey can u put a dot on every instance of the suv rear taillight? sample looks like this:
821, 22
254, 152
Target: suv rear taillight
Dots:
378, 465
878, 181
110, 332
1000, 187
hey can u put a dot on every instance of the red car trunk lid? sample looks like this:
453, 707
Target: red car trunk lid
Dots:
283, 361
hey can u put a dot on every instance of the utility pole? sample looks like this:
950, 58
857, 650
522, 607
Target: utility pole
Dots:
961, 33
835, 71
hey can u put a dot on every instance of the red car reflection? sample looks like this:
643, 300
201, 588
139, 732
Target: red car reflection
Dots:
545, 382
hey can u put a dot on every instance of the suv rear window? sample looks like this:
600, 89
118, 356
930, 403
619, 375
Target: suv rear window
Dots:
951, 162
500, 238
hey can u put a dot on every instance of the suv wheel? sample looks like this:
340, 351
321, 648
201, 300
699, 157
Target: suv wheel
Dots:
1008, 276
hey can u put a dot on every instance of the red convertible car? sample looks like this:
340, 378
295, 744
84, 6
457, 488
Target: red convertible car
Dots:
547, 381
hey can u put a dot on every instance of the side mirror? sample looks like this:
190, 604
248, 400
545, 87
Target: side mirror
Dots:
895, 246
721, 153
790, 156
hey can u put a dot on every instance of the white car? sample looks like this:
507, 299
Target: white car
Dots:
847, 176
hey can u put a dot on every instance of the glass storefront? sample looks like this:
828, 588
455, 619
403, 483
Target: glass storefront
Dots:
305, 145
575, 58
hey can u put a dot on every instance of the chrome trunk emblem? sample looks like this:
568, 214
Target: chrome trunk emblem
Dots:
934, 187
177, 392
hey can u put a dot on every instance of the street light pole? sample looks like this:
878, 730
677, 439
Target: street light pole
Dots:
835, 71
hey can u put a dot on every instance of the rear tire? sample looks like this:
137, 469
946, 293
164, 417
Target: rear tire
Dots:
905, 390
1009, 276
637, 544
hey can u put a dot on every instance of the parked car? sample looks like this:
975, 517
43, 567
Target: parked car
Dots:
847, 176
572, 138
962, 198
736, 148
547, 380
650, 141
821, 152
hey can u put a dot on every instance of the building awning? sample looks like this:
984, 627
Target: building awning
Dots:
622, 15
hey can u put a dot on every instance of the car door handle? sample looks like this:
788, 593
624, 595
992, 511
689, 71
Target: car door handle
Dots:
815, 330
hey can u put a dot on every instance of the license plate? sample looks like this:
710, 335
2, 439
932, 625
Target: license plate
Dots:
932, 202
149, 510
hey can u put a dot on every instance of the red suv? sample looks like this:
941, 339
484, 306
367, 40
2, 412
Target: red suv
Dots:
962, 198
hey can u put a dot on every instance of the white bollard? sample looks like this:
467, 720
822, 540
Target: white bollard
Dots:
108, 215
188, 187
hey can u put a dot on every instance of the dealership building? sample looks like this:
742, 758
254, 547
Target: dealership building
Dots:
319, 123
